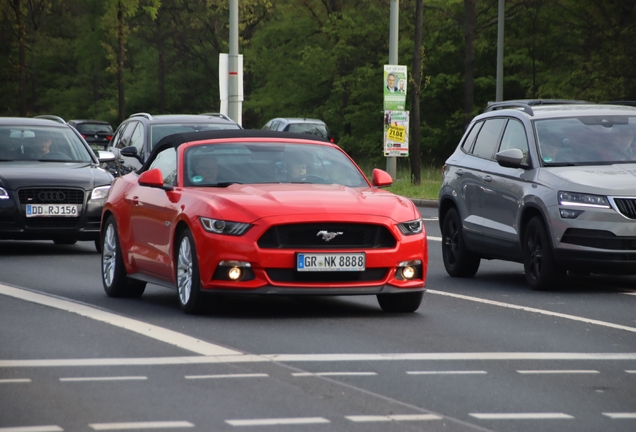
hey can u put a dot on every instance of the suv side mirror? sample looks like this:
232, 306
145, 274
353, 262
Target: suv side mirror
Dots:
511, 158
130, 151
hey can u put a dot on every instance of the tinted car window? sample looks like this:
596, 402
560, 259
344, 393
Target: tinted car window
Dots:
90, 128
308, 128
470, 139
162, 130
166, 161
125, 137
515, 137
137, 139
488, 137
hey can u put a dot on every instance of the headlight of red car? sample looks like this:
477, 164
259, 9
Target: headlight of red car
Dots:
224, 227
411, 227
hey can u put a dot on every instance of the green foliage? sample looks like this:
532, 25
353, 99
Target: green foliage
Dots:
310, 58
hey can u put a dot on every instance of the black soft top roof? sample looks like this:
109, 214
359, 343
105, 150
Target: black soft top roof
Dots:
176, 140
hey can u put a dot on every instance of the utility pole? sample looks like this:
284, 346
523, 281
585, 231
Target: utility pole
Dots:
391, 161
500, 51
234, 111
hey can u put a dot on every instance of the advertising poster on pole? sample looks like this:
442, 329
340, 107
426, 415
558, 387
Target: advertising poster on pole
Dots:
396, 133
395, 87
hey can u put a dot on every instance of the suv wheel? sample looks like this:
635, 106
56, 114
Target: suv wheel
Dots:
458, 260
542, 272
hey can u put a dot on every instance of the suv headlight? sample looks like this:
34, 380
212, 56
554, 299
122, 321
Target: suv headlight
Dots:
583, 200
224, 227
411, 227
100, 193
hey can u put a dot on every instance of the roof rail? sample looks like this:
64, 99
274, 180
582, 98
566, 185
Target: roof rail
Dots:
620, 102
492, 106
141, 114
216, 114
51, 117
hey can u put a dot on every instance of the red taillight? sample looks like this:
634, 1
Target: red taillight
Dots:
109, 137
443, 171
83, 136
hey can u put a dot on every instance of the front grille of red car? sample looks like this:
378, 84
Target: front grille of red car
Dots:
340, 235
291, 275
626, 207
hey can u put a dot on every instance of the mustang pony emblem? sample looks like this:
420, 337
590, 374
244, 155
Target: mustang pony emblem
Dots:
326, 235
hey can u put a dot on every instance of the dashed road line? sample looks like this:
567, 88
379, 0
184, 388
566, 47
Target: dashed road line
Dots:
520, 416
119, 378
535, 310
631, 371
14, 381
141, 425
572, 371
278, 421
159, 333
395, 417
322, 374
624, 415
464, 372
258, 375
439, 239
50, 428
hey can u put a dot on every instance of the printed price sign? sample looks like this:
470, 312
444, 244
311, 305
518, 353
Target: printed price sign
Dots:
396, 133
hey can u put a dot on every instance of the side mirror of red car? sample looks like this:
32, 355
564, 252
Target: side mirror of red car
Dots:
153, 178
381, 178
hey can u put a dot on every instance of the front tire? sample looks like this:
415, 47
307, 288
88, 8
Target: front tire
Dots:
458, 260
187, 274
114, 279
400, 303
542, 271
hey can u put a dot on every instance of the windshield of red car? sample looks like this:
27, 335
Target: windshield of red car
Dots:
252, 163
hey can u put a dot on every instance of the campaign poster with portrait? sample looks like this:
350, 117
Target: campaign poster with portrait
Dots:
395, 87
396, 133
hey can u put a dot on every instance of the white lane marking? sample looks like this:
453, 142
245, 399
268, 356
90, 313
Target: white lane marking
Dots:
621, 415
473, 372
521, 416
535, 310
277, 421
630, 293
226, 376
161, 334
395, 417
439, 239
119, 378
564, 371
141, 425
430, 218
305, 374
15, 380
631, 371
152, 361
32, 429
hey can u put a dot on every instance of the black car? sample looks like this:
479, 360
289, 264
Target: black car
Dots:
136, 136
51, 184
96, 133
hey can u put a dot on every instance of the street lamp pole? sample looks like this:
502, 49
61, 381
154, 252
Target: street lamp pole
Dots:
500, 51
233, 66
391, 161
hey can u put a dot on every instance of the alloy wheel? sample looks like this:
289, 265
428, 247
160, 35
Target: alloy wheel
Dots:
184, 271
109, 255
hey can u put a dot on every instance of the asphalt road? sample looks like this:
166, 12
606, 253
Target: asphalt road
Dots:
481, 354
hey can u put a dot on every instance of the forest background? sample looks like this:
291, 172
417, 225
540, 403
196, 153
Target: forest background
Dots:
107, 59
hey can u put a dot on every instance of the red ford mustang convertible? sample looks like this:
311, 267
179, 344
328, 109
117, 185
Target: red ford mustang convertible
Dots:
260, 212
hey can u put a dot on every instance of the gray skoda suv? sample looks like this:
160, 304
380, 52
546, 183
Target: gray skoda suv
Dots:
550, 184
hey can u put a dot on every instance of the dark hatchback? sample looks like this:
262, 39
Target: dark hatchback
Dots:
96, 133
51, 185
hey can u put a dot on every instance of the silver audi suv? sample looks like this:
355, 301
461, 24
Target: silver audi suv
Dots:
550, 184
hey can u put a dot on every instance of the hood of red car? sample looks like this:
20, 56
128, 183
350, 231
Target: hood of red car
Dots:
251, 202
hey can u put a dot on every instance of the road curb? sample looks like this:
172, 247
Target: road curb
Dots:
424, 202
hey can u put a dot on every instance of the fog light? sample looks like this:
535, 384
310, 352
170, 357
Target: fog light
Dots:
408, 272
234, 273
569, 214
